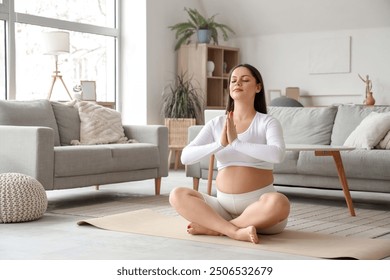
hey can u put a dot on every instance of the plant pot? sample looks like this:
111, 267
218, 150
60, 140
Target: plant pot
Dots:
204, 36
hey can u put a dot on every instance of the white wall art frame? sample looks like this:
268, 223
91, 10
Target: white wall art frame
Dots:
88, 90
272, 94
330, 55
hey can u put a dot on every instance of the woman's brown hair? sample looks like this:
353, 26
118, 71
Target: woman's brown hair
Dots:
259, 103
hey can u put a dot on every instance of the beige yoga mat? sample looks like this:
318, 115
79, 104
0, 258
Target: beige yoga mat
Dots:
149, 222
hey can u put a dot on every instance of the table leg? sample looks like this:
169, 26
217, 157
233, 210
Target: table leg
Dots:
210, 174
195, 183
343, 179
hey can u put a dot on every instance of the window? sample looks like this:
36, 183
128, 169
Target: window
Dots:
91, 57
2, 62
95, 12
93, 36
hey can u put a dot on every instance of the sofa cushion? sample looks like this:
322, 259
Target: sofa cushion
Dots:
385, 142
98, 159
29, 113
348, 117
305, 125
289, 164
370, 131
68, 121
99, 125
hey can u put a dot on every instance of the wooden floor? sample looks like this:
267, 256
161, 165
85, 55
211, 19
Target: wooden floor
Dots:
57, 236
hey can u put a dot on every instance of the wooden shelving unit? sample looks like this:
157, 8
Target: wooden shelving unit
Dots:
192, 60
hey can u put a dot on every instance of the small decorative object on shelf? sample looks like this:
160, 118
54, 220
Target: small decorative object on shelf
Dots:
369, 99
88, 90
77, 91
210, 68
225, 68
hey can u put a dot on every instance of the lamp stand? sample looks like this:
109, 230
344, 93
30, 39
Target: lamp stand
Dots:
57, 75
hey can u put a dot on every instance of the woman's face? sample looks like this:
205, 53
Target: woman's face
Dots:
243, 85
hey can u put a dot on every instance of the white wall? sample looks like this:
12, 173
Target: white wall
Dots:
284, 61
148, 60
132, 96
161, 57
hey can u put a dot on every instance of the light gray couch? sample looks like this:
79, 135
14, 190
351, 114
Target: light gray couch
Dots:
366, 170
35, 140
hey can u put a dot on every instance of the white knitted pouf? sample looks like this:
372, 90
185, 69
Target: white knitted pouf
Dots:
22, 198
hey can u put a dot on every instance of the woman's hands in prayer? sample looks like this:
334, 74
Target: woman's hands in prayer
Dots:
229, 133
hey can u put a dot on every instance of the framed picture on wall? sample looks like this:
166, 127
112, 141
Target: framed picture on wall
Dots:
88, 89
272, 94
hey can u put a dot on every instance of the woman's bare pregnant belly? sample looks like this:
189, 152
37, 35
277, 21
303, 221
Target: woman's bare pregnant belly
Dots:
242, 179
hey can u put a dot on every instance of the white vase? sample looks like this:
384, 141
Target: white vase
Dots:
210, 68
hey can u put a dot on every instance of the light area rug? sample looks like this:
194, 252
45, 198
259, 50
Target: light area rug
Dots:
150, 222
306, 217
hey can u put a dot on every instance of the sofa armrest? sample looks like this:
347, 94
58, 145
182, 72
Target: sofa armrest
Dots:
28, 150
154, 134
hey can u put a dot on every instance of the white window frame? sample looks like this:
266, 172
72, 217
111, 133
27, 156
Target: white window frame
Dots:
7, 12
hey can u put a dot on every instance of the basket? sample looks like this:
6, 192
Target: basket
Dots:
177, 137
178, 131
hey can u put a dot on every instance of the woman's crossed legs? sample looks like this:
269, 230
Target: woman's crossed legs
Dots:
267, 214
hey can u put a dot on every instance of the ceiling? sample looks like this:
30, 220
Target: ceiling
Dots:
265, 17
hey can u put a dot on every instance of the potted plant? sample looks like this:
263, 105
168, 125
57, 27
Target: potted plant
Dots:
181, 99
199, 24
182, 106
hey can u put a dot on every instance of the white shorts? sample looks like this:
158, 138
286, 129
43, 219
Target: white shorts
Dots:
230, 206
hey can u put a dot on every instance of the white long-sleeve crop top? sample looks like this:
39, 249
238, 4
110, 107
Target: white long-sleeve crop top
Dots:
260, 146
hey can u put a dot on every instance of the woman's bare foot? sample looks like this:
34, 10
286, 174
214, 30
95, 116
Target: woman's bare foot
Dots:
196, 229
247, 234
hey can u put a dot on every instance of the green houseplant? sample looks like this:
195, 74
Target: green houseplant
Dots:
182, 105
181, 99
196, 23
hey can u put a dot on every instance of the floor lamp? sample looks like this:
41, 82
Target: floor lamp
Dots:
56, 43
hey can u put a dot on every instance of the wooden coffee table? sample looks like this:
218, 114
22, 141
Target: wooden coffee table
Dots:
319, 150
334, 151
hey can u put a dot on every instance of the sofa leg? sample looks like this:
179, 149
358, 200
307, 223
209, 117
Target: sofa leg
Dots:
97, 187
157, 185
169, 158
195, 183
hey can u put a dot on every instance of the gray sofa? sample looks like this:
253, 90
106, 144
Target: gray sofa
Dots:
366, 170
35, 140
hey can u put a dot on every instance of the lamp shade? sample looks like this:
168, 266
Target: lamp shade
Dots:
56, 42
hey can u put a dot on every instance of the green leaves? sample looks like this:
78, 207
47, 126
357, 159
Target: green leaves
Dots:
182, 100
196, 21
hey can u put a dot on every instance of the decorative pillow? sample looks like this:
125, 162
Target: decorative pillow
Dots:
370, 131
348, 117
68, 121
99, 125
385, 142
305, 125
